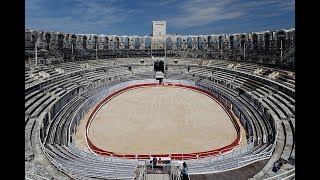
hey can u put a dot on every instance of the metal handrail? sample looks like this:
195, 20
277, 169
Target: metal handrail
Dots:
282, 174
289, 51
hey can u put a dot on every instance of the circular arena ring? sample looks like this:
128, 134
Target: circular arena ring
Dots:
174, 156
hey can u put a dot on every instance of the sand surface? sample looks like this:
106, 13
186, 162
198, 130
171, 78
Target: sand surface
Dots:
159, 120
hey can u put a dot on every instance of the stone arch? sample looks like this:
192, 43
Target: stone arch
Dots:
79, 37
95, 42
48, 39
147, 42
267, 41
84, 42
34, 37
27, 35
28, 38
179, 43
242, 40
116, 42
137, 43
200, 42
220, 41
226, 41
255, 41
291, 38
169, 43
60, 40
210, 41
106, 43
67, 38
73, 41
281, 39
100, 38
126, 43
231, 42
189, 42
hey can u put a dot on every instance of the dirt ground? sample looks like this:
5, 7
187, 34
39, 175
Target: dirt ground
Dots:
159, 120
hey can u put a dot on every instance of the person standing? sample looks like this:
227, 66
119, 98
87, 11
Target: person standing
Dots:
184, 171
154, 161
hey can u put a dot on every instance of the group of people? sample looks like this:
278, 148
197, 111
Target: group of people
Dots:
184, 170
155, 161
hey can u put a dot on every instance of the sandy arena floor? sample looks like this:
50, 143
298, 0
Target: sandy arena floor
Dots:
159, 120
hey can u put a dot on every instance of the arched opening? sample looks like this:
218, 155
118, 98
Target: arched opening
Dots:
169, 43
41, 36
73, 41
189, 42
60, 40
95, 42
267, 42
200, 43
147, 42
27, 35
67, 38
106, 43
116, 43
242, 41
210, 42
255, 41
232, 42
28, 38
281, 39
126, 43
84, 42
48, 37
179, 43
290, 38
34, 37
137, 43
293, 37
220, 42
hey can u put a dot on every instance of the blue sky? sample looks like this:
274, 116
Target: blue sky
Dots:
133, 17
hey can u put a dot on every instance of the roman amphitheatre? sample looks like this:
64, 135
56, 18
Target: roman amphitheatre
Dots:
102, 106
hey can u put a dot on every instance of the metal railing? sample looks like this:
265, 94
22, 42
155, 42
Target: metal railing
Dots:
284, 175
214, 166
175, 172
142, 173
289, 51
57, 53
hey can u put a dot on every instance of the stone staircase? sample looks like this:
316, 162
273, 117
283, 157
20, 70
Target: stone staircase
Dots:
157, 177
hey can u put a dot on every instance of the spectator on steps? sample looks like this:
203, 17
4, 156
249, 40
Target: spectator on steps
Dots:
154, 161
184, 171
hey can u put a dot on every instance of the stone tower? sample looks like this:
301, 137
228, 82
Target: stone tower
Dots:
158, 34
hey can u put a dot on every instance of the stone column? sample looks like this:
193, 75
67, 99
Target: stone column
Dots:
142, 44
121, 43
